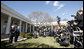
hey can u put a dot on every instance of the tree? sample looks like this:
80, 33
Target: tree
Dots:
40, 18
64, 19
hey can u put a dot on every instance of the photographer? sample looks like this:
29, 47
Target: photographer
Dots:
58, 21
78, 30
79, 18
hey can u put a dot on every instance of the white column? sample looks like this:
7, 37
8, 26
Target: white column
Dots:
20, 25
26, 28
30, 27
8, 25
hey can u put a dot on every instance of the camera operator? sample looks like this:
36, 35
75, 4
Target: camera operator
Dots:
79, 18
78, 28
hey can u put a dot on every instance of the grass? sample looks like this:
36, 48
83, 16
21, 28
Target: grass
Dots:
41, 42
4, 43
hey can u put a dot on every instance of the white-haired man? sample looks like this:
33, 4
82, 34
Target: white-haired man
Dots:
12, 33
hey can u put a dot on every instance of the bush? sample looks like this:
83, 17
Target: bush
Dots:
22, 34
28, 35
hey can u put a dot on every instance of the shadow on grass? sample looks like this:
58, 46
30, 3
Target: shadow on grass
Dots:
44, 46
3, 44
6, 44
30, 45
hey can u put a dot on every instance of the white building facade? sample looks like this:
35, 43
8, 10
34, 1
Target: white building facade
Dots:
10, 17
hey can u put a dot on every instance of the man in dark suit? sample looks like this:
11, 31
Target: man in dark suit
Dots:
17, 32
12, 33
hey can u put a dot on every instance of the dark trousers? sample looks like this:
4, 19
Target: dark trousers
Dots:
11, 38
16, 38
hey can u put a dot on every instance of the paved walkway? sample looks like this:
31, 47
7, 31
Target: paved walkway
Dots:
19, 39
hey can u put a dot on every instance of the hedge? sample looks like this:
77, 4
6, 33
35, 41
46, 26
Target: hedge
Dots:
26, 35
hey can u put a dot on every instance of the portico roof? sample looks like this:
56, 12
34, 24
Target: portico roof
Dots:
9, 11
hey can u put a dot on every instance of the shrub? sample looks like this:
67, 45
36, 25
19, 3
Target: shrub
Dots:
28, 35
22, 34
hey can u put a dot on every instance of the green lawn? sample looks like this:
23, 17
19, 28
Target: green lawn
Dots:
41, 42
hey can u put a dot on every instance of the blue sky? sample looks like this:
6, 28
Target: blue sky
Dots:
63, 9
